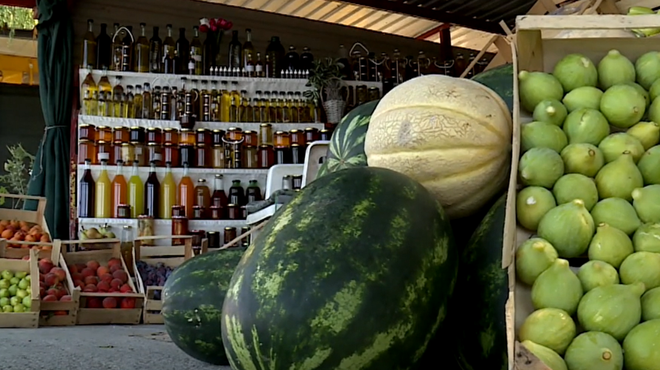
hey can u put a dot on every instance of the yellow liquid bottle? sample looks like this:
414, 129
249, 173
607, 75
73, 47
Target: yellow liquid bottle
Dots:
168, 190
103, 193
104, 83
225, 105
136, 193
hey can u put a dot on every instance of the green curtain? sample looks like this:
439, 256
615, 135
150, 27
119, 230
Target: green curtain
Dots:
50, 176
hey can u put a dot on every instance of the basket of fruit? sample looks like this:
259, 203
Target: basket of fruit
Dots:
101, 233
154, 266
108, 295
19, 292
583, 214
60, 298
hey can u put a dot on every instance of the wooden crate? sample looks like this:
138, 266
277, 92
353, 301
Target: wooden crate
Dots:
536, 50
43, 249
18, 249
60, 313
91, 316
23, 319
172, 256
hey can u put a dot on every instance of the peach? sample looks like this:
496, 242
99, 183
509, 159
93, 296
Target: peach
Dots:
45, 265
60, 293
7, 234
72, 269
50, 298
107, 278
91, 288
52, 291
60, 313
91, 280
115, 268
45, 238
94, 265
94, 302
61, 274
79, 283
30, 238
126, 289
88, 272
80, 267
42, 292
109, 302
128, 302
121, 275
65, 298
102, 271
51, 279
116, 284
114, 262
103, 286
77, 276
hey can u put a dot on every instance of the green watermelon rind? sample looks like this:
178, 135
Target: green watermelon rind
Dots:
500, 80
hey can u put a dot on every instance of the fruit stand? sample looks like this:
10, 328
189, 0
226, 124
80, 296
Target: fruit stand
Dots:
19, 292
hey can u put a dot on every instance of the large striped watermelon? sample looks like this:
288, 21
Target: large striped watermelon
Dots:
500, 80
353, 274
192, 303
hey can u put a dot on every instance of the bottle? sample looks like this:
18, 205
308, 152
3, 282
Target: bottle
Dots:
258, 67
169, 51
141, 51
186, 192
89, 86
225, 102
88, 57
155, 53
118, 189
103, 49
292, 60
219, 197
103, 192
205, 103
152, 193
203, 196
167, 193
235, 53
253, 193
129, 100
104, 104
236, 193
117, 98
196, 52
127, 50
135, 192
343, 59
306, 59
87, 189
147, 102
275, 55
116, 48
182, 52
248, 51
137, 102
104, 83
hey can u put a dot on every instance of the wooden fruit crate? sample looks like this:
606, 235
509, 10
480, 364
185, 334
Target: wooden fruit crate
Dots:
535, 49
21, 249
23, 319
60, 313
21, 218
172, 256
91, 316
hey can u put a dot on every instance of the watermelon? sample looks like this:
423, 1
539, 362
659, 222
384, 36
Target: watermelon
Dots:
347, 142
355, 273
500, 80
482, 290
192, 303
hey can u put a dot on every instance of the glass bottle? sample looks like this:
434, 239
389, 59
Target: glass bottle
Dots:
196, 52
135, 193
119, 189
182, 52
235, 53
141, 51
116, 52
117, 98
147, 102
236, 193
104, 83
306, 59
103, 48
89, 45
215, 102
169, 52
167, 193
205, 105
103, 105
253, 193
248, 53
186, 192
258, 67
155, 52
129, 103
225, 102
274, 111
208, 51
103, 192
152, 193
86, 195
219, 197
275, 55
88, 84
284, 110
127, 50
292, 60
203, 196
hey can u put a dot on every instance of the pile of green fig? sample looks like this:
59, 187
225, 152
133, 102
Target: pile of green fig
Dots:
590, 176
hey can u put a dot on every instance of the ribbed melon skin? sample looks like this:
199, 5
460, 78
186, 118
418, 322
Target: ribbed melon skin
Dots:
192, 303
354, 274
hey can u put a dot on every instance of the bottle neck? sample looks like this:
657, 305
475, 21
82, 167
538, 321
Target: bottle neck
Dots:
143, 31
155, 32
135, 169
90, 26
248, 36
182, 34
196, 32
169, 32
120, 168
104, 29
218, 184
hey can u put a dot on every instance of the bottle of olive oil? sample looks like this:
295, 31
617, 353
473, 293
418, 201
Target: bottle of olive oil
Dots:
266, 117
88, 84
205, 102
233, 109
215, 102
235, 53
225, 102
275, 108
116, 48
137, 102
284, 108
88, 56
104, 83
248, 110
103, 48
129, 111
94, 104
127, 50
169, 48
196, 52
248, 53
258, 67
147, 102
104, 104
88, 105
141, 51
155, 52
291, 108
256, 106
182, 54
117, 98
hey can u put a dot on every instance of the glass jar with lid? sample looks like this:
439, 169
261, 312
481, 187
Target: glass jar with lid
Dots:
187, 155
283, 155
106, 147
233, 212
179, 227
154, 135
121, 134
116, 150
217, 136
265, 134
266, 156
234, 134
155, 154
137, 134
87, 132
311, 135
187, 137
230, 234
202, 156
170, 136
104, 133
127, 154
250, 157
87, 150
171, 154
282, 139
325, 134
297, 137
203, 136
218, 158
297, 154
250, 138
140, 153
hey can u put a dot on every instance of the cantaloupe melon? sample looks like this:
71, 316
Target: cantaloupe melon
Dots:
452, 135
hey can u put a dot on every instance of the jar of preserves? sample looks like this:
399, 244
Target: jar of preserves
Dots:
233, 212
202, 156
203, 136
179, 227
187, 155
137, 134
250, 157
87, 132
297, 137
213, 239
296, 182
234, 135
178, 210
246, 241
243, 212
297, 154
198, 212
145, 226
126, 246
218, 159
87, 150
197, 236
123, 211
281, 139
374, 93
116, 151
187, 137
311, 135
127, 154
104, 133
265, 134
266, 156
140, 153
104, 147
230, 234
154, 153
171, 154
121, 134
171, 136
154, 135
325, 134
216, 137
283, 156
216, 213
250, 138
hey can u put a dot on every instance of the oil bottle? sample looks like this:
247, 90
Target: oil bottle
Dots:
205, 106
86, 197
127, 50
196, 52
225, 102
103, 48
117, 99
137, 102
103, 192
129, 103
152, 193
147, 102
104, 82
285, 113
104, 104
169, 50
116, 56
88, 55
215, 102
155, 52
292, 106
141, 51
266, 116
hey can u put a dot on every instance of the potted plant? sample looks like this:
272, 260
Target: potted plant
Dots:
325, 79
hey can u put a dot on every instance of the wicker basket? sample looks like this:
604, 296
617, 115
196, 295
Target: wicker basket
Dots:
334, 110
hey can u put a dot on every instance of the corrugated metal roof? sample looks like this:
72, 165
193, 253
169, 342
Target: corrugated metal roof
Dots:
352, 15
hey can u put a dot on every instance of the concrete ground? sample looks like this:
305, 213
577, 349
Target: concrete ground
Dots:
144, 347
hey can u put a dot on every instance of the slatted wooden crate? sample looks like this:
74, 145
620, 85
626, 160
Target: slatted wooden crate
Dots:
19, 219
60, 313
28, 319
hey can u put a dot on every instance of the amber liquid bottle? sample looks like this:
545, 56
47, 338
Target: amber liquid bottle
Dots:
103, 49
155, 53
127, 50
141, 51
116, 48
88, 57
196, 53
248, 53
235, 53
169, 52
182, 52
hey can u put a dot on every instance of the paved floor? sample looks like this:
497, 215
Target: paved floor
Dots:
144, 347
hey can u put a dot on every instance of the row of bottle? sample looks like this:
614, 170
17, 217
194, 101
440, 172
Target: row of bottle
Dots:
121, 198
124, 51
204, 102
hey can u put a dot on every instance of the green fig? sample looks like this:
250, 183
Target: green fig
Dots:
550, 111
532, 258
612, 309
610, 245
586, 126
617, 213
597, 273
654, 91
649, 166
646, 201
623, 105
648, 133
536, 87
619, 178
547, 356
654, 110
642, 92
576, 186
641, 267
550, 327
647, 69
647, 238
532, 203
594, 350
569, 228
583, 97
542, 135
616, 144
582, 158
557, 287
651, 304
615, 69
574, 71
540, 167
641, 347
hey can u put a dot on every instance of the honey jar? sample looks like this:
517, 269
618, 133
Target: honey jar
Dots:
127, 154
170, 136
297, 137
203, 136
234, 134
121, 134
87, 150
202, 156
154, 135
325, 134
104, 147
265, 134
250, 138
218, 159
265, 156
87, 132
217, 136
187, 137
311, 135
171, 154
103, 133
281, 139
137, 135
